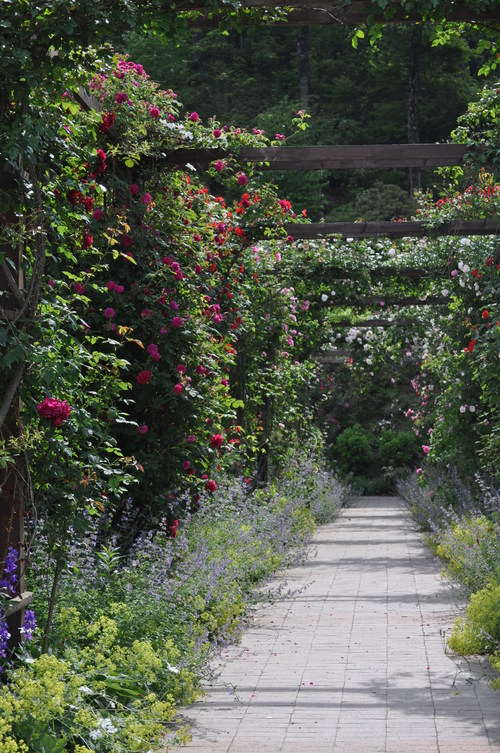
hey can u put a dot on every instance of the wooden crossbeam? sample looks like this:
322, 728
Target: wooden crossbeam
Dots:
18, 603
333, 157
376, 323
383, 301
341, 157
332, 357
410, 229
412, 273
314, 12
341, 273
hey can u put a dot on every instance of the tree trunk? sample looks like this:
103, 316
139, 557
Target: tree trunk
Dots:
413, 82
304, 66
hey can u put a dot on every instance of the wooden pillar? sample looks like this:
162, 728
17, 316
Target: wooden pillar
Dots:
12, 488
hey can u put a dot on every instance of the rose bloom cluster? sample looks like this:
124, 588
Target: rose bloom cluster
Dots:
55, 410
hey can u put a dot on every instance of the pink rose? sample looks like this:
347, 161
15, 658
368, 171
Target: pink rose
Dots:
55, 410
153, 352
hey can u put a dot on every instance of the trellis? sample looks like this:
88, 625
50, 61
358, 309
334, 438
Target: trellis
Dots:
341, 157
303, 12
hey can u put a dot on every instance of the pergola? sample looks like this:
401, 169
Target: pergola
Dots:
299, 13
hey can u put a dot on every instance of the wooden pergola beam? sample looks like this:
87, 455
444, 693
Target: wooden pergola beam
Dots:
413, 273
352, 156
406, 229
376, 323
383, 301
312, 12
333, 157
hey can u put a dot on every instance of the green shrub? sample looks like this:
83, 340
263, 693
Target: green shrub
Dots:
353, 449
480, 631
471, 548
383, 201
397, 448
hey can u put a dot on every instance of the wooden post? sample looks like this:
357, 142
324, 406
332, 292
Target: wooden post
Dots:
12, 503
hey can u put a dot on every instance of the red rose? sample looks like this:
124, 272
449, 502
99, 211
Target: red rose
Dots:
216, 440
87, 241
143, 377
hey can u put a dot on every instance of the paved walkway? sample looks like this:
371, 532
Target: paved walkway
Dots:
354, 661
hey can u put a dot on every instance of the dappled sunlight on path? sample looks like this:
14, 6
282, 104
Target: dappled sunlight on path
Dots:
353, 661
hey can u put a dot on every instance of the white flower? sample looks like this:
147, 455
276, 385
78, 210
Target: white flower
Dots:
103, 725
472, 408
463, 408
392, 252
108, 726
465, 241
445, 293
324, 297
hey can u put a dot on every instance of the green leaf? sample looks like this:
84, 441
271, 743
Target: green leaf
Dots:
48, 744
118, 687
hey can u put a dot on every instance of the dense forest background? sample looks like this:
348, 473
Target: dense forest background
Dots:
259, 78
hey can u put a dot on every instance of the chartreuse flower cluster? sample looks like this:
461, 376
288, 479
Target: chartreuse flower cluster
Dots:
98, 695
464, 529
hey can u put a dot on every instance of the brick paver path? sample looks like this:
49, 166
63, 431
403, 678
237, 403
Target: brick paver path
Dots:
353, 661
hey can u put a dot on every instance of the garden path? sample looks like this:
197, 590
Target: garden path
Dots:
353, 660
